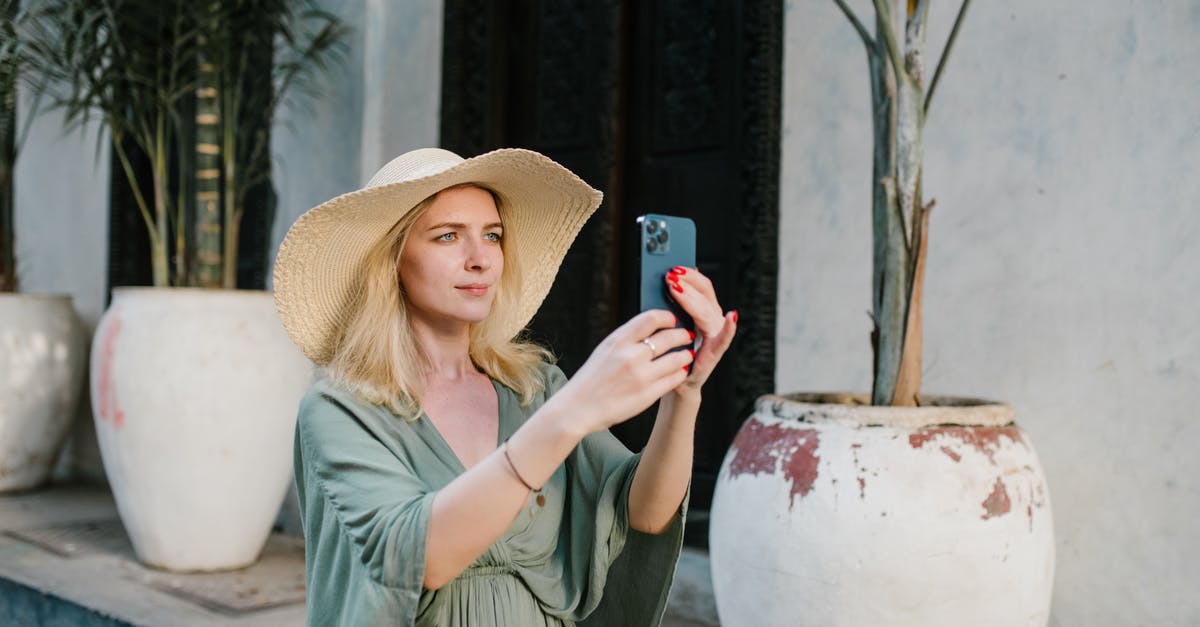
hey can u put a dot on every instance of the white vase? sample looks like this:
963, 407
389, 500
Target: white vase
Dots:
195, 394
42, 355
840, 515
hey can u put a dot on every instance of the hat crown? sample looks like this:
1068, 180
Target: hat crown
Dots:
413, 165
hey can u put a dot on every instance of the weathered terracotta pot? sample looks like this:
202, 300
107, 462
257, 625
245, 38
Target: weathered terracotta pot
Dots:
43, 350
827, 513
195, 394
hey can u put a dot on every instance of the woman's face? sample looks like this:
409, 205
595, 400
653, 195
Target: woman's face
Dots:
451, 262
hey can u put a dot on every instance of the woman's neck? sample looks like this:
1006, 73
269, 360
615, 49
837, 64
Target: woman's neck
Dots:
447, 348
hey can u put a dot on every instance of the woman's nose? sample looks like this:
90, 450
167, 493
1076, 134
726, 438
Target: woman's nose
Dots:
479, 255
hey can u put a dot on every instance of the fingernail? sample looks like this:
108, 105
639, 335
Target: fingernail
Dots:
677, 288
685, 368
691, 335
679, 270
671, 276
735, 315
692, 352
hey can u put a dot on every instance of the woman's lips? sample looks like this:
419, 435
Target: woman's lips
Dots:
474, 289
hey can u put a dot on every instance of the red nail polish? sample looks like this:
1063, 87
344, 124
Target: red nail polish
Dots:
692, 352
735, 316
685, 368
691, 335
671, 276
680, 270
677, 288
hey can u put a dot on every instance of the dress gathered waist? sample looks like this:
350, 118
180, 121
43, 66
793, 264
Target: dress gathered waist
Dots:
485, 571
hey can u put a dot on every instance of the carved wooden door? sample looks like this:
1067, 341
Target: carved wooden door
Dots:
667, 107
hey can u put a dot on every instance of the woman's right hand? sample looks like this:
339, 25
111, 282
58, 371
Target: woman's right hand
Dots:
624, 374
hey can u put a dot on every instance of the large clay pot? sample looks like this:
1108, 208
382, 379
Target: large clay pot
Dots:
42, 355
828, 513
195, 394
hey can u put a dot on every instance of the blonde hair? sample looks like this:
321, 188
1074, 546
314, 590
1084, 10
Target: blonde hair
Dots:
379, 359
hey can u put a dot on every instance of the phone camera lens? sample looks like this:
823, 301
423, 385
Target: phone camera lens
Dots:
651, 227
652, 245
662, 237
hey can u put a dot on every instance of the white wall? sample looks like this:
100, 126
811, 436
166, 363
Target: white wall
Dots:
1063, 148
61, 231
383, 101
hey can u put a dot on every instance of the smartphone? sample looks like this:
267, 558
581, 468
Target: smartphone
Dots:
664, 242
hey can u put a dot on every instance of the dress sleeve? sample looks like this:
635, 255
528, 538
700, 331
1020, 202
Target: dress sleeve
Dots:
621, 576
366, 514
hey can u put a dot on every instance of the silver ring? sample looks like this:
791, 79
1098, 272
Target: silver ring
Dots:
653, 349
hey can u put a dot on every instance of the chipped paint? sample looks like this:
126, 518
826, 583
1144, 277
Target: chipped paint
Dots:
766, 449
106, 387
986, 440
997, 503
951, 454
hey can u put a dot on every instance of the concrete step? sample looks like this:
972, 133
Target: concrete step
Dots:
65, 560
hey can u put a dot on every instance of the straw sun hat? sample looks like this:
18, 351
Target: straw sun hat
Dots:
323, 252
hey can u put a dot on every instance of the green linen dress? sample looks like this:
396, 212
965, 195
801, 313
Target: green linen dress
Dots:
367, 477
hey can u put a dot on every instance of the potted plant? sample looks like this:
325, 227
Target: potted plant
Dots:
893, 508
42, 342
195, 384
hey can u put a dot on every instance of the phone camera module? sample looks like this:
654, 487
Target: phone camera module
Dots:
663, 237
651, 227
652, 245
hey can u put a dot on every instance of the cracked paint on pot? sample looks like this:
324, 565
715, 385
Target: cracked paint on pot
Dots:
760, 448
955, 530
986, 440
997, 503
109, 410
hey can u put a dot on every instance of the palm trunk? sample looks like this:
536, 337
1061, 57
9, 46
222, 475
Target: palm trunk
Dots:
208, 179
899, 216
158, 246
891, 252
8, 258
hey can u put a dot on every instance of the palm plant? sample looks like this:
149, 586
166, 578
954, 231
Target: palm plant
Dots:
142, 65
900, 216
295, 38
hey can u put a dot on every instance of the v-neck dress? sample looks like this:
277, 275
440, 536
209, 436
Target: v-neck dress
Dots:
367, 478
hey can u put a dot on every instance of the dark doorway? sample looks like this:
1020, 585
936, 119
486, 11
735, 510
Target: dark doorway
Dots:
667, 107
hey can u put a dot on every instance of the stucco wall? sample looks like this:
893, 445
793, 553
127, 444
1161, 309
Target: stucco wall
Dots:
383, 101
1063, 148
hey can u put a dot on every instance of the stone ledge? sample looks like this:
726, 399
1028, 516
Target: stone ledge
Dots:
65, 560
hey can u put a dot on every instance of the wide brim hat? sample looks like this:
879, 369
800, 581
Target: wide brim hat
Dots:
321, 257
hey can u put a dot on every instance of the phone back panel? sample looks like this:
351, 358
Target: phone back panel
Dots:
657, 258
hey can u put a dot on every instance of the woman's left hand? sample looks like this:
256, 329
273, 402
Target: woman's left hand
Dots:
694, 292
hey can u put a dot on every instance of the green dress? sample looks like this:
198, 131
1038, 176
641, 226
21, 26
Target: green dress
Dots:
366, 481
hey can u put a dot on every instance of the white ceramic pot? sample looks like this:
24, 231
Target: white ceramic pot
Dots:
42, 355
830, 514
195, 394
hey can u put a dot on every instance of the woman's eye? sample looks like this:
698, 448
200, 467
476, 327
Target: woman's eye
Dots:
446, 237
495, 237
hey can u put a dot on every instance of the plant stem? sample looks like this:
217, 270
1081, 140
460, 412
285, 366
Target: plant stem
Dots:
208, 177
937, 74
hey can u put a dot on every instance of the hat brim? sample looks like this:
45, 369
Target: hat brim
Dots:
321, 256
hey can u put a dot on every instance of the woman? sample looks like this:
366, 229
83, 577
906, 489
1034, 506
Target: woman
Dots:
449, 474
